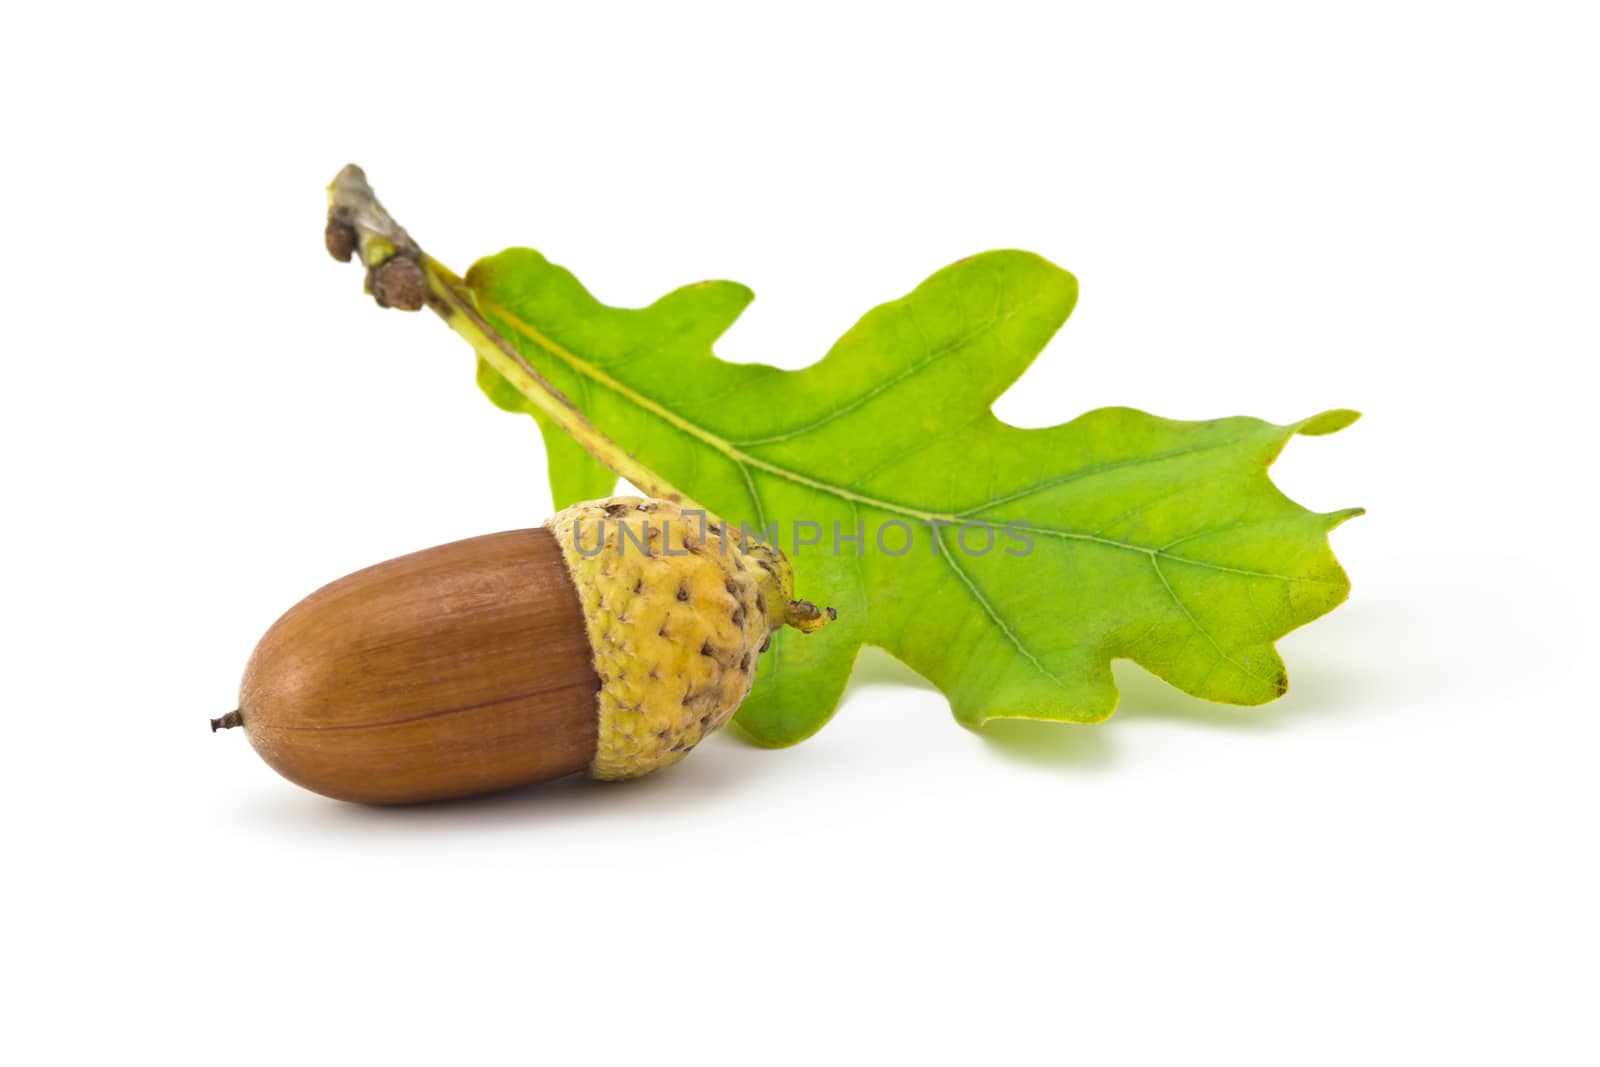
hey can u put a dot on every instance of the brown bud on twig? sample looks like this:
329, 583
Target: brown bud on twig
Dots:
340, 239
398, 282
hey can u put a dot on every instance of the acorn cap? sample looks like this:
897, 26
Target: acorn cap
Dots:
677, 606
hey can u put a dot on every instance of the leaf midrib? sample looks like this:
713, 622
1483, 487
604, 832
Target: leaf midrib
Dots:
744, 461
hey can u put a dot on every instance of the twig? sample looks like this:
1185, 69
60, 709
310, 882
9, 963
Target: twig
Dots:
401, 275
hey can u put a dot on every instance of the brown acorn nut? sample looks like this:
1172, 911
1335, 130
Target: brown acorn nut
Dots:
611, 640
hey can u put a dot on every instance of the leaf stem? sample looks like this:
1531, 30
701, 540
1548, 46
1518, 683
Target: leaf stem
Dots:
401, 275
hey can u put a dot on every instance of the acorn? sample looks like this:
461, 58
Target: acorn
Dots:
611, 641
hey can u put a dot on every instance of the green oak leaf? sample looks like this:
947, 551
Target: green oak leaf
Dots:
1158, 541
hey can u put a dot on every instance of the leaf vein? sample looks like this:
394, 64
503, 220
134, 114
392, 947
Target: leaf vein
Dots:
1090, 472
871, 394
1176, 599
994, 616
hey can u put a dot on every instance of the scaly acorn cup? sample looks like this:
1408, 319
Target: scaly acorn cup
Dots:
675, 617
613, 639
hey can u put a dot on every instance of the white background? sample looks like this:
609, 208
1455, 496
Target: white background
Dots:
1272, 210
